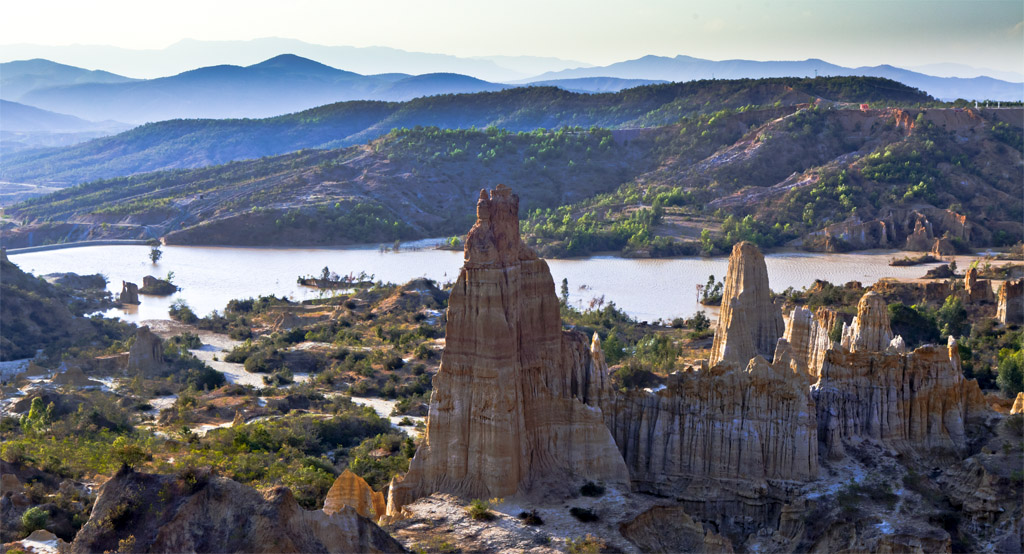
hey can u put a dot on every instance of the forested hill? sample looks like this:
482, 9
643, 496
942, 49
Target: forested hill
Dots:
196, 143
820, 176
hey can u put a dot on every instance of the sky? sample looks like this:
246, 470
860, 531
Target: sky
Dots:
982, 33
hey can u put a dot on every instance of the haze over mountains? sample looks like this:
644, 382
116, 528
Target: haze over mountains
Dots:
181, 56
289, 83
686, 68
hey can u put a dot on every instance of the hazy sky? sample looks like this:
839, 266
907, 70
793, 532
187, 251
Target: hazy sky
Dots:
899, 32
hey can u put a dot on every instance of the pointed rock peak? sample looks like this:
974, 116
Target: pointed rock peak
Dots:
749, 324
897, 346
494, 239
595, 344
870, 330
350, 489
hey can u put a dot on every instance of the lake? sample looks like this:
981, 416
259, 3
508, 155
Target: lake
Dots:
647, 289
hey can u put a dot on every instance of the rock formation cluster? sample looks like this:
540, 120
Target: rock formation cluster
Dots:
520, 403
515, 401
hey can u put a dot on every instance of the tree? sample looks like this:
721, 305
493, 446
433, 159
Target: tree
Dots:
130, 455
155, 253
565, 292
34, 518
1010, 376
707, 246
952, 317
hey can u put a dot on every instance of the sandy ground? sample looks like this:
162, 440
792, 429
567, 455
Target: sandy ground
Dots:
383, 408
214, 345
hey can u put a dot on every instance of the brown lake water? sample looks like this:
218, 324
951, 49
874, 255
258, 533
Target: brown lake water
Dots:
646, 289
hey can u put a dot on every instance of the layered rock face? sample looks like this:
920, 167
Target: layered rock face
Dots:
516, 399
753, 423
1010, 307
871, 389
749, 323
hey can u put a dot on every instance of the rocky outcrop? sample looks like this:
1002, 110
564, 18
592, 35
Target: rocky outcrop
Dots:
752, 423
146, 356
916, 402
749, 323
870, 329
158, 287
1010, 307
942, 247
923, 229
129, 293
977, 291
1018, 404
165, 513
516, 400
350, 489
808, 341
73, 376
671, 529
76, 281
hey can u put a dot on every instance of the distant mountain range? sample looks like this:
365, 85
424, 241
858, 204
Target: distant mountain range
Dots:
686, 68
283, 84
289, 83
24, 127
182, 56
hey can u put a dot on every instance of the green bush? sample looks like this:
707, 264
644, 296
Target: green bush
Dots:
1010, 377
480, 510
34, 518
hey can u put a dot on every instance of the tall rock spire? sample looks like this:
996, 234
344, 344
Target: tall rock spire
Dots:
870, 330
749, 324
516, 401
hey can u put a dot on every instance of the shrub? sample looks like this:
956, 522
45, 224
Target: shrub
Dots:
1015, 423
531, 518
585, 545
182, 312
480, 510
34, 518
585, 515
128, 454
592, 489
1010, 376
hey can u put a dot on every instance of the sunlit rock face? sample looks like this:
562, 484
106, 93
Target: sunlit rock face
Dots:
516, 400
808, 340
870, 330
753, 423
915, 402
749, 323
352, 490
